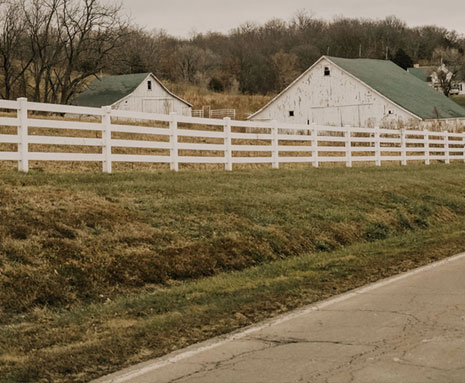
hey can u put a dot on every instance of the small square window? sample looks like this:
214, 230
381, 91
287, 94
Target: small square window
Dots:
291, 113
327, 71
149, 85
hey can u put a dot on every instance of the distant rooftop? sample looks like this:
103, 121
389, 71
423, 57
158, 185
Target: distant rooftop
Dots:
422, 72
106, 91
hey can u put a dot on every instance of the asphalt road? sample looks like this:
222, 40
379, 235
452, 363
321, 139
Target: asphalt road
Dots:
409, 328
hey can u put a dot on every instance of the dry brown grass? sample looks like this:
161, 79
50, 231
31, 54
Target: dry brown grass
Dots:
101, 271
199, 97
78, 237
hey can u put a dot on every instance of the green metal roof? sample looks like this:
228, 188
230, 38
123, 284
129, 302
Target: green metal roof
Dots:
422, 72
401, 87
107, 90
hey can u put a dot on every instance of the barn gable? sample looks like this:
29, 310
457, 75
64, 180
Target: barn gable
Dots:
108, 91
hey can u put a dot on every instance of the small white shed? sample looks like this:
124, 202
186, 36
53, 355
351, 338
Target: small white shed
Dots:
141, 92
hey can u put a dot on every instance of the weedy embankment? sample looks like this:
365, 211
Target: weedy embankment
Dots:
98, 272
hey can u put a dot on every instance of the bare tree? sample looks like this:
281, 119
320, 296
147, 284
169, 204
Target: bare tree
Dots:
69, 41
286, 67
40, 19
14, 56
89, 32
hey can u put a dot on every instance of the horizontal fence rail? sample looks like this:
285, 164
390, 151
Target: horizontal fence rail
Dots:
45, 132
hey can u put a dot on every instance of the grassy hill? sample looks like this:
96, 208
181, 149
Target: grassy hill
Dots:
130, 266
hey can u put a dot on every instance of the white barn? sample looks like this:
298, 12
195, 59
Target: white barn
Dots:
141, 92
359, 92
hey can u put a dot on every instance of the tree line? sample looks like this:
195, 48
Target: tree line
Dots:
49, 49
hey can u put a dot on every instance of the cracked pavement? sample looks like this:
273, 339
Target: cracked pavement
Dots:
408, 329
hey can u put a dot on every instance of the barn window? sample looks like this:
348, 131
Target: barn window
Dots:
149, 85
291, 113
390, 112
327, 71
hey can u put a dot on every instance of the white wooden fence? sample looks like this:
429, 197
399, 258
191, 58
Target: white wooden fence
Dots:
197, 113
29, 131
221, 113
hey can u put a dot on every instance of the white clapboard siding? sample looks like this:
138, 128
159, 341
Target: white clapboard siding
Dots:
215, 141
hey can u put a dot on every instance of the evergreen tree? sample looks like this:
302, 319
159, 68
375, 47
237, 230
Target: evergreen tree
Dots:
402, 59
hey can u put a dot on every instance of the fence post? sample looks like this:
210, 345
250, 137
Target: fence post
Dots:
106, 139
426, 146
446, 147
275, 143
174, 165
227, 143
377, 147
463, 142
403, 146
348, 144
23, 133
315, 145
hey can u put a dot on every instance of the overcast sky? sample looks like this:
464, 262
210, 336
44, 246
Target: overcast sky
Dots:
180, 17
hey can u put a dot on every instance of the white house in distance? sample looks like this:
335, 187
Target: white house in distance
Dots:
141, 92
429, 75
359, 92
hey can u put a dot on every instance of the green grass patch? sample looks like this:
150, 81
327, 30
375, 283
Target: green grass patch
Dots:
98, 272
